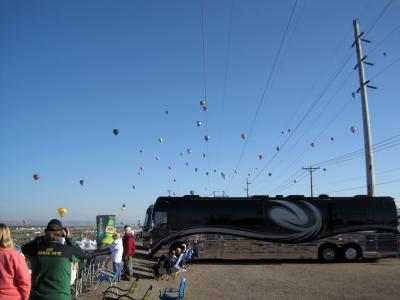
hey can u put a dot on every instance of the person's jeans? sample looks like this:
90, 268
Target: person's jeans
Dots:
128, 267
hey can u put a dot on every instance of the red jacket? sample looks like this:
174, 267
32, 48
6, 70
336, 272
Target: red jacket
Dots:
15, 279
129, 245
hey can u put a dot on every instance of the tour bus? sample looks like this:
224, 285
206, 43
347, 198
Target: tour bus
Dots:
263, 227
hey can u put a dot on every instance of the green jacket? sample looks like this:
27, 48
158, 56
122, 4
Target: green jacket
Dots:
51, 268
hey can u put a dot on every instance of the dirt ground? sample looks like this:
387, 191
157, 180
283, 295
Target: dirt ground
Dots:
269, 279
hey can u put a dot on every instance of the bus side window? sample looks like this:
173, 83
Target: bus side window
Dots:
160, 219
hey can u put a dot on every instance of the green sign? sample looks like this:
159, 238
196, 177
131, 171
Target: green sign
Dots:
105, 229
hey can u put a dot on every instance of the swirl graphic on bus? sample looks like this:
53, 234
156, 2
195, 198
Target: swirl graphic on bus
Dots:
305, 224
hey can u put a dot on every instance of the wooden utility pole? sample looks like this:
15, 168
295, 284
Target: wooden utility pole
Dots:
247, 187
369, 161
311, 170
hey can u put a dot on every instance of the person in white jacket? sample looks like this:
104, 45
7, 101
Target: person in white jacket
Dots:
116, 251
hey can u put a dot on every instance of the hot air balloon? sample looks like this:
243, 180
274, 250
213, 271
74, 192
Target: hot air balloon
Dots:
207, 173
205, 108
332, 138
157, 157
81, 182
206, 138
223, 175
294, 180
123, 207
215, 171
353, 129
174, 180
269, 174
235, 171
385, 54
138, 173
188, 151
324, 169
36, 177
141, 168
202, 103
243, 136
289, 130
204, 155
260, 156
198, 123
140, 150
161, 140
115, 131
62, 211
187, 163
134, 187
312, 145
353, 94
283, 131
278, 148
169, 168
166, 112
195, 169
248, 174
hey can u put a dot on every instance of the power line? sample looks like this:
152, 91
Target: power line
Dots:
266, 87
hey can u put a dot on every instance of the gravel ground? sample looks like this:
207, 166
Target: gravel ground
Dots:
273, 279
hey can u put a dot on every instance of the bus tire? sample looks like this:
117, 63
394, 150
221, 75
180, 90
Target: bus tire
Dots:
351, 252
328, 253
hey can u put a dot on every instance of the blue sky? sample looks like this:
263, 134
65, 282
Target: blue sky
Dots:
72, 71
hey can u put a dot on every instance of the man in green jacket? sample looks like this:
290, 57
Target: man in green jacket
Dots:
51, 260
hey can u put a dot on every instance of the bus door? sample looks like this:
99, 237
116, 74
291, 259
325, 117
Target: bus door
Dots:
160, 230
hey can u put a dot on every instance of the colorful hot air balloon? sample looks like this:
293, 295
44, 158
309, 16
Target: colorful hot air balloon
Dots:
157, 158
169, 168
324, 169
202, 103
243, 136
205, 108
312, 145
260, 156
115, 131
141, 168
161, 140
278, 148
188, 151
195, 169
269, 174
134, 187
353, 129
62, 211
204, 155
198, 123
36, 177
206, 138
332, 138
81, 182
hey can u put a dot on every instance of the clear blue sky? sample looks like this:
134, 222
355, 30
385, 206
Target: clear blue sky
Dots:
72, 71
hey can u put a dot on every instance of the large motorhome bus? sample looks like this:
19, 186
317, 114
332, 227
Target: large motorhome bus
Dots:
263, 227
146, 228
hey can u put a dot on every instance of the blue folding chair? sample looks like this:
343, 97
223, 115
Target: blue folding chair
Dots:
112, 278
173, 293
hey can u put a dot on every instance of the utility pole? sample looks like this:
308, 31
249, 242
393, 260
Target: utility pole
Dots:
311, 170
247, 187
369, 161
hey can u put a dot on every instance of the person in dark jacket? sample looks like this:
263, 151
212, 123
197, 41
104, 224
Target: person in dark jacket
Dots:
129, 244
51, 260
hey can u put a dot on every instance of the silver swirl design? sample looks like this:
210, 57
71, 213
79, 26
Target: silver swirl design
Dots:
292, 217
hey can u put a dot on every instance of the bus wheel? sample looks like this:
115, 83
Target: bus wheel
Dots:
328, 253
351, 252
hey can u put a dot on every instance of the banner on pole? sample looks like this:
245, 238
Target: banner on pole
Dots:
105, 229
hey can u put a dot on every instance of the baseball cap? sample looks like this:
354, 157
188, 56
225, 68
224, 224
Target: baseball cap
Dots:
54, 225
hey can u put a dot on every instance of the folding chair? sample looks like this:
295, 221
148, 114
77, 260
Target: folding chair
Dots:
119, 292
129, 297
174, 293
112, 278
